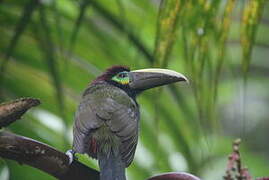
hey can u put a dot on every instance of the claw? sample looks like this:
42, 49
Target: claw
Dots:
71, 155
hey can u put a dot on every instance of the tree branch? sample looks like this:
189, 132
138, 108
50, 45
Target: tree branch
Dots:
41, 156
11, 111
33, 153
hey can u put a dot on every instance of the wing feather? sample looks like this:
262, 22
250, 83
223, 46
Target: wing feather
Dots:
111, 107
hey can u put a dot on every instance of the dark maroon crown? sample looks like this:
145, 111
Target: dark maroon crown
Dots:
115, 70
110, 72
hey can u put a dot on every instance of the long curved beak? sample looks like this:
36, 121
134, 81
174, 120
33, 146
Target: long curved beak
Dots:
149, 78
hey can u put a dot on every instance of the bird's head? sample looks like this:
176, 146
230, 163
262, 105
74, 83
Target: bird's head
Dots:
137, 81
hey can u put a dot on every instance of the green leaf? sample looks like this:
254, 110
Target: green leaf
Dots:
82, 10
252, 14
125, 29
47, 46
166, 30
24, 20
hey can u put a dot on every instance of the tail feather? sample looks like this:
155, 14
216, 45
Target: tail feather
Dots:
111, 167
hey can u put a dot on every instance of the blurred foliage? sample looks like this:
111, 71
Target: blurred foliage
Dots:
52, 49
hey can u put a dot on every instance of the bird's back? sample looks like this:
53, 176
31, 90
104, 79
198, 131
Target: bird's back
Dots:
106, 122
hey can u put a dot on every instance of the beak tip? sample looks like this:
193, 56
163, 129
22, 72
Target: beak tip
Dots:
181, 77
186, 80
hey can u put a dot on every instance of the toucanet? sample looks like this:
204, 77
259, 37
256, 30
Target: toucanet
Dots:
107, 120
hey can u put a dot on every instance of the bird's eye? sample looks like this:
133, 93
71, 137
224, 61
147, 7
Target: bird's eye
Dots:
122, 78
122, 75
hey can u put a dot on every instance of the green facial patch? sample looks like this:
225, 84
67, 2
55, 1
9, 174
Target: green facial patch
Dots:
122, 78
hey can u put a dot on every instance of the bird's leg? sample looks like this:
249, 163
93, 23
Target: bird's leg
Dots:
71, 155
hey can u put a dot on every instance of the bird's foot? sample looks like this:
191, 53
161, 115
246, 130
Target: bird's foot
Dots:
71, 155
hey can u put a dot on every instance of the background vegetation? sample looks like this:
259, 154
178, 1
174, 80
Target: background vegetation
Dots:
52, 49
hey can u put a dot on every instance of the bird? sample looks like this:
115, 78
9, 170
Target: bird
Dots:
106, 123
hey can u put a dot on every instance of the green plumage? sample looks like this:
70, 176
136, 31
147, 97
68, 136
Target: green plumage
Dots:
109, 116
